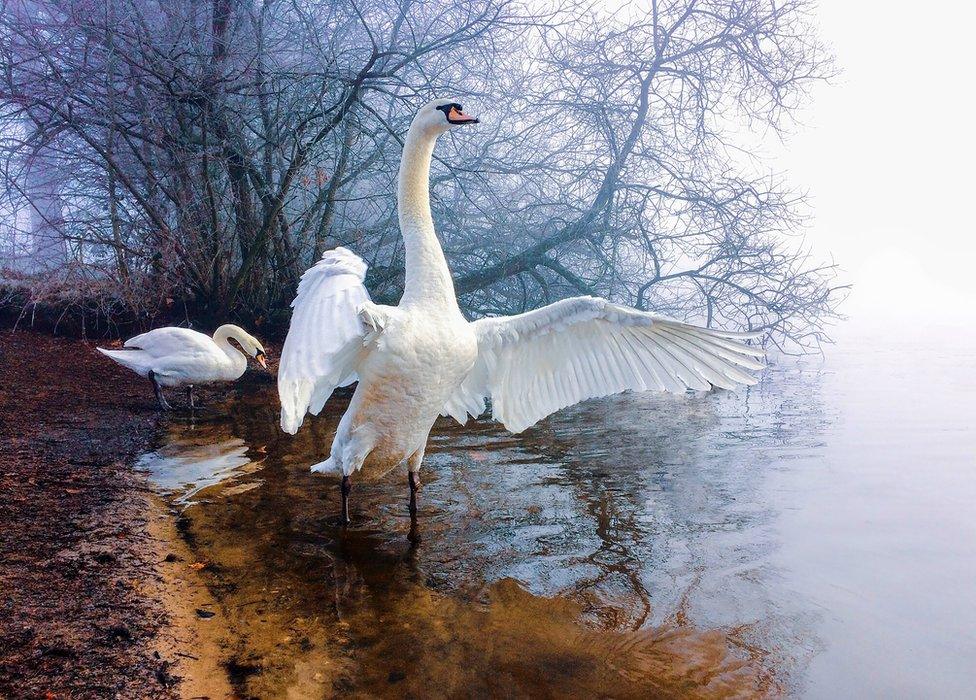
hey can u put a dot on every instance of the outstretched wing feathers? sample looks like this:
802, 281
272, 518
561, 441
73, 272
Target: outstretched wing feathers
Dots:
324, 341
535, 363
530, 365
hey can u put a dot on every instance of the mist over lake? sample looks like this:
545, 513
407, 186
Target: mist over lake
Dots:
812, 536
356, 348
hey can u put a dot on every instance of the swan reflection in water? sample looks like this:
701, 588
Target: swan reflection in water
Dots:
193, 460
600, 552
809, 537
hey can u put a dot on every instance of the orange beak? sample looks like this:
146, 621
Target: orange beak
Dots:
261, 361
456, 116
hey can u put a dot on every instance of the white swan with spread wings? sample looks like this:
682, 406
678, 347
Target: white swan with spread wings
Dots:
422, 358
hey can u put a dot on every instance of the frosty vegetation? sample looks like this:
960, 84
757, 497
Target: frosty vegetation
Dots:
202, 154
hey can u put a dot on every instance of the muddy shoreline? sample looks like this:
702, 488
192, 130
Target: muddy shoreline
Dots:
97, 597
111, 590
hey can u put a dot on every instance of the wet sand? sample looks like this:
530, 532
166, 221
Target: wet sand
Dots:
92, 574
192, 642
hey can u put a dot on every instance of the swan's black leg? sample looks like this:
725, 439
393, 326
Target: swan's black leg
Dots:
189, 396
344, 490
414, 480
163, 403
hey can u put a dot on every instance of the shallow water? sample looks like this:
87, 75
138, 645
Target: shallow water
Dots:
812, 536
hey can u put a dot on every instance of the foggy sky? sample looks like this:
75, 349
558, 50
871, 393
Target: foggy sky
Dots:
886, 153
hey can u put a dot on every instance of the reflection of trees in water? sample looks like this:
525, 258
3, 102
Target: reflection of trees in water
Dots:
613, 559
632, 508
346, 611
625, 453
671, 489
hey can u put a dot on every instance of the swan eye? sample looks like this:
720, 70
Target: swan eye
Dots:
446, 109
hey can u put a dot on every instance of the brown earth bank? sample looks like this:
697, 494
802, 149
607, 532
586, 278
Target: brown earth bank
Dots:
88, 559
79, 307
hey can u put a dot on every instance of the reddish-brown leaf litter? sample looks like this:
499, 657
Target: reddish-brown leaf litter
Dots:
75, 618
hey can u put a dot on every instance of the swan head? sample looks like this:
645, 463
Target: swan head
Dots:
253, 347
249, 344
439, 116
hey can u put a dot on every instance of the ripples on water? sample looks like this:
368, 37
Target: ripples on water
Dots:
813, 535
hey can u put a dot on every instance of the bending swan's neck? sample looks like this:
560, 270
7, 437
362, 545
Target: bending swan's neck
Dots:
237, 359
428, 280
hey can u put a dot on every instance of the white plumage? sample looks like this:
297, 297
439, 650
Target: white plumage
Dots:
183, 357
535, 363
422, 358
325, 336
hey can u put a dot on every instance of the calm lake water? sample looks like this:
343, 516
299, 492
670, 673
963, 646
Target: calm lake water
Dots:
813, 536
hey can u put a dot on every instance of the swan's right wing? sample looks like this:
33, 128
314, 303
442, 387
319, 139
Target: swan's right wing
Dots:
325, 338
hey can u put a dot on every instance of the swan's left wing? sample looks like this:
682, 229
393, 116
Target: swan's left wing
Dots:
160, 342
325, 337
535, 363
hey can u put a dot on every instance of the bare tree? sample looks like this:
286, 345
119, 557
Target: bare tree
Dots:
639, 193
206, 152
37, 167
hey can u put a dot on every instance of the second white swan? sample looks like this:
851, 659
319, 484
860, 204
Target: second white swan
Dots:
422, 358
176, 356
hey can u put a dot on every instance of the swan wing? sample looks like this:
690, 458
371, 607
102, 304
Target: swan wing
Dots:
535, 363
162, 342
325, 339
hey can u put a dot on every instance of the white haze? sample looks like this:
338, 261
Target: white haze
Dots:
886, 152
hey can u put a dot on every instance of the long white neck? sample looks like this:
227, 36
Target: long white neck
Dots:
237, 359
428, 280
